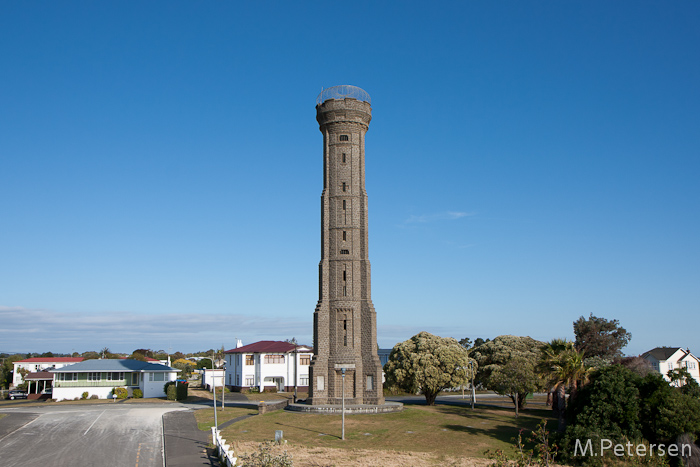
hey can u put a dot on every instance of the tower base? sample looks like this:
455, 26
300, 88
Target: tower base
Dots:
351, 409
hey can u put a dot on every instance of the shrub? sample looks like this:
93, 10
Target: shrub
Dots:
137, 394
171, 393
121, 393
94, 396
167, 385
181, 391
264, 457
85, 395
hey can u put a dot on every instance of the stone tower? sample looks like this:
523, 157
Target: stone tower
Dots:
345, 323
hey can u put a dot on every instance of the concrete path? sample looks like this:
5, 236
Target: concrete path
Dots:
185, 444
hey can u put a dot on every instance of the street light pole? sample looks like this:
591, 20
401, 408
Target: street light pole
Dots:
223, 387
343, 409
213, 382
471, 364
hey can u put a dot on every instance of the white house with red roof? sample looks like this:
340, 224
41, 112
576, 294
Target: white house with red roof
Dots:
37, 364
664, 359
268, 365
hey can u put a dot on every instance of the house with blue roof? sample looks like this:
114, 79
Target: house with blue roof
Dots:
100, 377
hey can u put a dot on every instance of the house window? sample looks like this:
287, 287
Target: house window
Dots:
115, 376
343, 138
249, 360
68, 376
304, 380
238, 380
670, 365
156, 376
93, 376
305, 360
274, 358
249, 381
370, 383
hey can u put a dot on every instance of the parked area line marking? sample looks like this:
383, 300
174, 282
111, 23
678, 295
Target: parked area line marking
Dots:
93, 423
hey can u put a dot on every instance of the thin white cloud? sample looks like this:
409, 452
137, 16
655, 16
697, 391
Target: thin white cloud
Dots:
36, 330
440, 216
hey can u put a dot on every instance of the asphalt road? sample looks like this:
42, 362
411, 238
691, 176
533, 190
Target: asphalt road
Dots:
83, 435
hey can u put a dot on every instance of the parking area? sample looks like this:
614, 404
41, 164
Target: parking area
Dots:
83, 435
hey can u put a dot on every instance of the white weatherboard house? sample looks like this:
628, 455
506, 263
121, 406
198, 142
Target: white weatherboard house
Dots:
100, 377
37, 364
271, 365
663, 359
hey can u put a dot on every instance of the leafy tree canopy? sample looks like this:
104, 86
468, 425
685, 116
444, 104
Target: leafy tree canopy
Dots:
428, 364
599, 337
516, 379
494, 354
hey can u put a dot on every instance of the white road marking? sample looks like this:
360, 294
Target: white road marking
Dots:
98, 417
25, 425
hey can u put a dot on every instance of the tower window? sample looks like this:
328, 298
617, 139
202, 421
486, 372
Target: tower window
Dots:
345, 236
345, 275
343, 158
344, 252
343, 138
343, 204
345, 291
344, 186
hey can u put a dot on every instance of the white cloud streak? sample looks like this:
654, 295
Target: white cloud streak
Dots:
440, 216
36, 330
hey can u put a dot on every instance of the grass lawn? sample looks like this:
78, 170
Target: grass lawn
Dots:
205, 417
442, 429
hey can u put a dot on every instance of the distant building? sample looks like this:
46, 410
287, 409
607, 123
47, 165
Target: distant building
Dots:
663, 359
101, 377
39, 364
268, 365
212, 378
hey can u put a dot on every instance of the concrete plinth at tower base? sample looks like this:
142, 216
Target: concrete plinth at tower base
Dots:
334, 409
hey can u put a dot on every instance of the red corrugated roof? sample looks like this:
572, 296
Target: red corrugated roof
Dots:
51, 360
266, 347
39, 375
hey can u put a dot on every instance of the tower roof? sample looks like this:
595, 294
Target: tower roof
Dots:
342, 92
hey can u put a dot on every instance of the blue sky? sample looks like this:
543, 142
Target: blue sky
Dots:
527, 163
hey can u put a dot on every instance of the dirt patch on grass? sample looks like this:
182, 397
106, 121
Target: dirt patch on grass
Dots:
332, 457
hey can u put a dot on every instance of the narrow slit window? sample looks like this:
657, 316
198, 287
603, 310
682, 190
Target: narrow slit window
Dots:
344, 205
343, 158
344, 186
345, 236
345, 275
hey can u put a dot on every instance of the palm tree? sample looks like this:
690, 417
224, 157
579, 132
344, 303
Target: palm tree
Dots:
562, 366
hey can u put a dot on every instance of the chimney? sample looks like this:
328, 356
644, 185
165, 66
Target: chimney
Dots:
239, 343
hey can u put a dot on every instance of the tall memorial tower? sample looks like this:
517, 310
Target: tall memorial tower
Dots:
345, 323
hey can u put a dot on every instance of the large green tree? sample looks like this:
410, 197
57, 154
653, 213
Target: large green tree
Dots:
496, 354
428, 364
600, 337
515, 379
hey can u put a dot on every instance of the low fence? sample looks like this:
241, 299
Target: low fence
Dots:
223, 450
